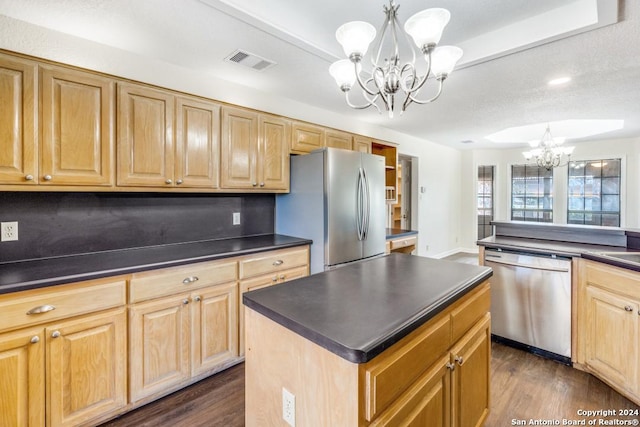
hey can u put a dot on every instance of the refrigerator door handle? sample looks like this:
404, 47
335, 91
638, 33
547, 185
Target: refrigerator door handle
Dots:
360, 205
367, 206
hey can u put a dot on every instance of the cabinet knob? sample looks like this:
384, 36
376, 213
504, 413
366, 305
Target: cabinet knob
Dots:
628, 308
168, 182
262, 184
40, 309
255, 184
179, 182
29, 178
278, 262
55, 334
47, 177
190, 279
450, 366
283, 277
459, 359
35, 339
274, 279
197, 298
185, 301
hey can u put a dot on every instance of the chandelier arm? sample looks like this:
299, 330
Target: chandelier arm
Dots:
381, 90
423, 80
394, 36
362, 84
370, 102
383, 29
418, 101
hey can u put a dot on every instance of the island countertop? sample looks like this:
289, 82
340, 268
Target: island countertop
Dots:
359, 310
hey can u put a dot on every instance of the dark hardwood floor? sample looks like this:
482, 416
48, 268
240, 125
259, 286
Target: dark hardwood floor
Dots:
523, 387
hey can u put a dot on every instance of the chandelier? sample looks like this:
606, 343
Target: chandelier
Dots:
389, 76
547, 152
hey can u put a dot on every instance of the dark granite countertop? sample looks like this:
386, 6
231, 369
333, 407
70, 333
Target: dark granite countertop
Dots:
23, 275
394, 233
567, 249
359, 310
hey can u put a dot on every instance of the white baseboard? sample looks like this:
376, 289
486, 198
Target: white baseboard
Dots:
455, 251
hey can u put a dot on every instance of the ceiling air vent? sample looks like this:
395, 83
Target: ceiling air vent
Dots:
249, 60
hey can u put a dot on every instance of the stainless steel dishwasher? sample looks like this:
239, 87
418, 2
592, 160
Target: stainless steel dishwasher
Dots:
531, 301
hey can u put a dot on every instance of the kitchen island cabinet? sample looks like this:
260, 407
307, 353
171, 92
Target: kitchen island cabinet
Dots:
397, 337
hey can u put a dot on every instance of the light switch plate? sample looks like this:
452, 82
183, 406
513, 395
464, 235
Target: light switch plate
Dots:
236, 218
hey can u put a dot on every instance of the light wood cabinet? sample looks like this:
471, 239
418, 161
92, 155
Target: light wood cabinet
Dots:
254, 150
77, 128
86, 368
22, 401
390, 154
338, 139
67, 363
438, 375
362, 144
18, 121
145, 136
182, 325
306, 137
609, 325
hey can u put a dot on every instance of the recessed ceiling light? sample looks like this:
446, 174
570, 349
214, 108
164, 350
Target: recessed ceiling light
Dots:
559, 81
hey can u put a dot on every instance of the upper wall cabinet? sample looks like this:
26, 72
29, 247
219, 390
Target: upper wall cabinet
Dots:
254, 150
338, 139
145, 136
18, 121
362, 144
77, 128
306, 137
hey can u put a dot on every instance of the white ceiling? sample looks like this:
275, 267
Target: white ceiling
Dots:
512, 48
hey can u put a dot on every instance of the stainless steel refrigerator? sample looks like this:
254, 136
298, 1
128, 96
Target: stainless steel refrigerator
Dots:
337, 199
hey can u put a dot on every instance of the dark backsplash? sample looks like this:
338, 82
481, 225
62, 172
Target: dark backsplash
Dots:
54, 224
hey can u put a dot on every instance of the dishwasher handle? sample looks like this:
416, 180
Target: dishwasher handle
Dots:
496, 260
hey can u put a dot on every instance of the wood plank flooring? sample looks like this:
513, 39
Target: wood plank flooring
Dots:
523, 387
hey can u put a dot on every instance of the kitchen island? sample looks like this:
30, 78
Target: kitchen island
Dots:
389, 339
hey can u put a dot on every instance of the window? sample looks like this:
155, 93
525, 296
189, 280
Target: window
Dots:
531, 193
594, 193
485, 201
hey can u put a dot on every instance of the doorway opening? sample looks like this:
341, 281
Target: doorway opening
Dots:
403, 212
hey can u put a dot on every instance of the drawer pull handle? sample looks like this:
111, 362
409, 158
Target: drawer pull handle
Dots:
35, 339
628, 308
190, 279
278, 262
450, 366
197, 298
274, 279
41, 309
459, 359
55, 334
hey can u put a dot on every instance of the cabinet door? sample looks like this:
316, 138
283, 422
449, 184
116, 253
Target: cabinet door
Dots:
612, 336
215, 327
77, 128
18, 121
22, 378
338, 139
145, 136
306, 137
426, 403
361, 144
197, 146
273, 153
239, 148
86, 367
471, 358
159, 335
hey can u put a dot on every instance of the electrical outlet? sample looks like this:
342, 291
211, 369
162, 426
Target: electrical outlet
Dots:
288, 407
236, 218
8, 231
427, 247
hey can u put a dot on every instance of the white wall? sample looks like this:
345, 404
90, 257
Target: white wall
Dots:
626, 149
440, 167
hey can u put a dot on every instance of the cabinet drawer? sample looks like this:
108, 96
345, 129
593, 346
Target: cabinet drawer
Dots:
272, 262
168, 281
387, 376
43, 305
466, 314
403, 243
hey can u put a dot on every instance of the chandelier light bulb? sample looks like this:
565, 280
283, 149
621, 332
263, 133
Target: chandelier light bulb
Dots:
426, 27
355, 38
444, 59
343, 73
